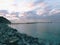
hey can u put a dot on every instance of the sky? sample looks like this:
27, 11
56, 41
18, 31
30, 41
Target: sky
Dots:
28, 5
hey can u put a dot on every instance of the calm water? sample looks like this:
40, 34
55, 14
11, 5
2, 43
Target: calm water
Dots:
50, 31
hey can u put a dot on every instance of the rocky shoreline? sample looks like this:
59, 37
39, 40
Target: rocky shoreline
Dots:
10, 36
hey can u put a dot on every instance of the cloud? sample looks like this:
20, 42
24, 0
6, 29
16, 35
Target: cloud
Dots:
54, 11
38, 1
5, 4
22, 14
23, 6
42, 5
47, 6
40, 11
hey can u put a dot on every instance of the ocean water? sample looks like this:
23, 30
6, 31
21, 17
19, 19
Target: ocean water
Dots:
48, 31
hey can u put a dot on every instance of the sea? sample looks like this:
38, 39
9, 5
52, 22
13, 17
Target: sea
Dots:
42, 30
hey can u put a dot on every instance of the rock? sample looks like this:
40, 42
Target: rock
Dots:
4, 20
10, 36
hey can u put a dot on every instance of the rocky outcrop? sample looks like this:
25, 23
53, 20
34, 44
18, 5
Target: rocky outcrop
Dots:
10, 36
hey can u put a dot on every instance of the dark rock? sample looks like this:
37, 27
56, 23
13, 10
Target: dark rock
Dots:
4, 20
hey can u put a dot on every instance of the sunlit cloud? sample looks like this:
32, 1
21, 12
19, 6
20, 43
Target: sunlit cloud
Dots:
40, 12
6, 5
23, 6
28, 5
